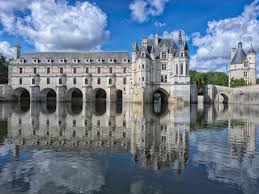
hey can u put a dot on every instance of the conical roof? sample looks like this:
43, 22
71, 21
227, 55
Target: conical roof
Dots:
240, 55
251, 50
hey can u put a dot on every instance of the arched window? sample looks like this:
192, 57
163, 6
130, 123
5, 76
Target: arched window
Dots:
33, 81
60, 81
86, 81
110, 81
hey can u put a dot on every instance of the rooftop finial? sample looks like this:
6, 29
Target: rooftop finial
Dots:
180, 40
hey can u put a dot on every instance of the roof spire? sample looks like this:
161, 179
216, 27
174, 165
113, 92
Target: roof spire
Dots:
135, 47
251, 50
180, 40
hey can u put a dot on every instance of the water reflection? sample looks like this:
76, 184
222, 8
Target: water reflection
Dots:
66, 140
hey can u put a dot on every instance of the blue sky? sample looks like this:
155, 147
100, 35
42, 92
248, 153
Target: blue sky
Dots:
212, 27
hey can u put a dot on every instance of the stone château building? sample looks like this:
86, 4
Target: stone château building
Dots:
243, 65
159, 66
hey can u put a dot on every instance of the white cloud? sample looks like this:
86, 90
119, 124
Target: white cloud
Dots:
213, 48
142, 10
6, 49
56, 25
159, 24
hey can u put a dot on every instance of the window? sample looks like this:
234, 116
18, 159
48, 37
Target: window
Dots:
143, 66
48, 70
124, 70
20, 80
35, 60
162, 78
110, 81
143, 79
49, 60
163, 66
74, 70
61, 70
74, 80
74, 123
110, 70
62, 60
33, 81
60, 81
245, 73
176, 69
86, 81
124, 81
75, 60
34, 70
245, 64
165, 78
47, 122
99, 81
86, 70
181, 69
181, 54
98, 123
163, 55
48, 81
99, 70
20, 70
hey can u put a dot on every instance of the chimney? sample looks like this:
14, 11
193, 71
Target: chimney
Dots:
17, 51
180, 39
233, 52
144, 43
156, 40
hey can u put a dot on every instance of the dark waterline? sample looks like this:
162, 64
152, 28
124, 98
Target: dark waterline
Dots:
128, 148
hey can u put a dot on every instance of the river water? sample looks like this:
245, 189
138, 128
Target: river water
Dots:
128, 148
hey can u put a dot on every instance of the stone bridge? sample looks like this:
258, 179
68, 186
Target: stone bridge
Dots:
227, 95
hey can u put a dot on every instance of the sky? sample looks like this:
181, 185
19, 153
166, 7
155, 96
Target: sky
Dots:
212, 27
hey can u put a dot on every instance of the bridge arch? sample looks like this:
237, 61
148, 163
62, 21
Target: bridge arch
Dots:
21, 94
160, 95
100, 94
48, 94
74, 94
223, 98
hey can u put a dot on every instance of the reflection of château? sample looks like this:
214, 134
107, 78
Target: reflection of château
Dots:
158, 140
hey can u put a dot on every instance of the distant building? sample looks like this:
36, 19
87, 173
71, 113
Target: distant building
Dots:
243, 65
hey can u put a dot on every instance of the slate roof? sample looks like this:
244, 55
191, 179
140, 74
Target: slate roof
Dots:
240, 55
118, 56
251, 50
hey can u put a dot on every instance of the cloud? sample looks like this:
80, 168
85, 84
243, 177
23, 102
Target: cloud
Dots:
55, 25
213, 48
6, 49
142, 10
159, 24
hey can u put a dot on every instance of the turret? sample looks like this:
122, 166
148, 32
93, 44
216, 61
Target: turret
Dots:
156, 40
17, 51
144, 43
251, 55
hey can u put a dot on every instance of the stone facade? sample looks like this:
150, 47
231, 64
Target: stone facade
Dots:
243, 66
158, 66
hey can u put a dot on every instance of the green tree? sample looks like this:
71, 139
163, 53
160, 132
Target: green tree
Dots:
3, 70
237, 82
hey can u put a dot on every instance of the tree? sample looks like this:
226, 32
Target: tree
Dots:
201, 79
3, 70
237, 82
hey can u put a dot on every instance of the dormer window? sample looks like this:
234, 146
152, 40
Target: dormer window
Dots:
35, 60
246, 64
163, 55
75, 60
99, 60
181, 54
111, 60
21, 60
125, 60
62, 60
48, 60
88, 60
